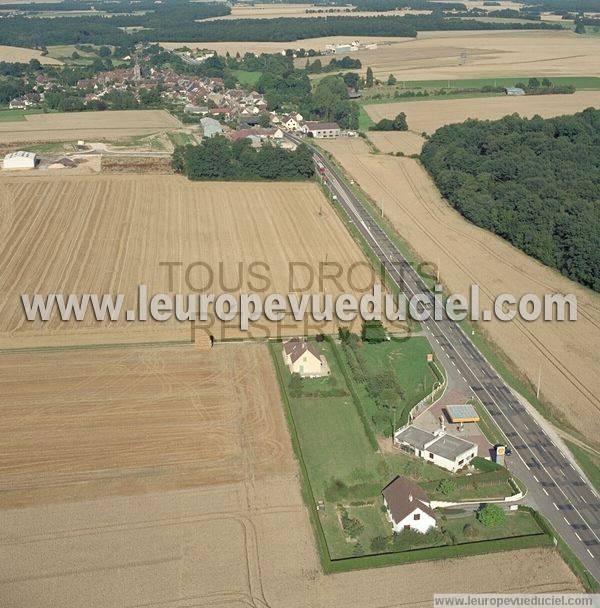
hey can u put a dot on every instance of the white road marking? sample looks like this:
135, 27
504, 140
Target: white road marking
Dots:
590, 553
577, 535
566, 519
555, 506
545, 492
452, 328
536, 479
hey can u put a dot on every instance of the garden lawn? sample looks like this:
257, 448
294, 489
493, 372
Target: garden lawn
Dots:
518, 523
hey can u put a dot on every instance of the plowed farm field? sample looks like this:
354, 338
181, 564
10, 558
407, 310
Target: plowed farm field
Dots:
428, 116
564, 352
87, 125
107, 234
165, 476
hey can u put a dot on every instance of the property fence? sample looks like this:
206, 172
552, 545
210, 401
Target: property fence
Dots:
430, 399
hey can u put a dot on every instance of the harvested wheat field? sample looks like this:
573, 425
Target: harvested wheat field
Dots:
165, 476
22, 55
275, 11
109, 233
428, 116
567, 351
519, 54
390, 142
276, 47
82, 423
87, 125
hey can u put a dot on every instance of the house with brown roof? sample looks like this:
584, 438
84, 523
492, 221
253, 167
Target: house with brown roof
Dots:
408, 506
304, 359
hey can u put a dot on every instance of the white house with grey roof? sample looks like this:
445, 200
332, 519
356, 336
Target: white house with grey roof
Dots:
439, 448
407, 506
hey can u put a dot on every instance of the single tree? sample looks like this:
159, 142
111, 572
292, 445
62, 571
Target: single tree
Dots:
369, 80
400, 123
392, 80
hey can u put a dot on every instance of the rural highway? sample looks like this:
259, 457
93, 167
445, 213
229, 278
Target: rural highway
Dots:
555, 487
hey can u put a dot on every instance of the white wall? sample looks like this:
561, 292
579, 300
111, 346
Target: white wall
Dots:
424, 522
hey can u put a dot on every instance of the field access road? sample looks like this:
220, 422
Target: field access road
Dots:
554, 487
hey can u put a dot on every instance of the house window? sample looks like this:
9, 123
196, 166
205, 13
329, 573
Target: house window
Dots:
417, 516
407, 527
430, 455
461, 461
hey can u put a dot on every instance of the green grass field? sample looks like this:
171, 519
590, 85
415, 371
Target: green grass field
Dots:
324, 426
179, 138
406, 359
364, 120
18, 115
518, 523
247, 79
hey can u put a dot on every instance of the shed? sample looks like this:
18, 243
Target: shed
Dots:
462, 413
514, 91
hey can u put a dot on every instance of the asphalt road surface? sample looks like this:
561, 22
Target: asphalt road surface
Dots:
555, 488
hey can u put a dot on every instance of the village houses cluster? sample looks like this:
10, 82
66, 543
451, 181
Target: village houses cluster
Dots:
207, 97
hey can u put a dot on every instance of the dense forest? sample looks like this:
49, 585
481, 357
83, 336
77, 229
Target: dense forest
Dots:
534, 182
218, 159
176, 21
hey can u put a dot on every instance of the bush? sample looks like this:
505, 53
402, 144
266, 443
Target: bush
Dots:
397, 124
491, 515
373, 332
446, 487
379, 544
352, 526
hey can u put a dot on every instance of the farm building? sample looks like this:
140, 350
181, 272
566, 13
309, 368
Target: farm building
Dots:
322, 130
514, 91
461, 414
439, 448
210, 127
304, 359
20, 160
407, 506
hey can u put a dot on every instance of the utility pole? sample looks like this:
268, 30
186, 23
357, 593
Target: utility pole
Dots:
539, 382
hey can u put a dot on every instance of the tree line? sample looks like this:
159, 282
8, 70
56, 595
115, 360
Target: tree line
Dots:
180, 22
532, 181
219, 159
